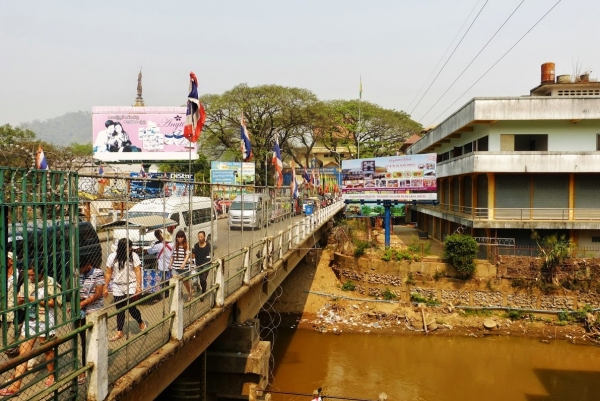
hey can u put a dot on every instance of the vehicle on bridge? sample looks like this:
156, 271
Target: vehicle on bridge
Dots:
192, 215
249, 211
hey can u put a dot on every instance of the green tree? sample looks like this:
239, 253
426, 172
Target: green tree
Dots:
378, 132
269, 111
461, 251
554, 250
18, 147
200, 168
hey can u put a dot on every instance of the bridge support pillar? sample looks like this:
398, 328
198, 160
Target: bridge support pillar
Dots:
191, 384
236, 360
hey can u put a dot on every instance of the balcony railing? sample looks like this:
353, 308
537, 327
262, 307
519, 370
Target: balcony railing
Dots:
519, 214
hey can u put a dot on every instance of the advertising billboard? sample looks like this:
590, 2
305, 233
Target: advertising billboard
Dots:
169, 184
402, 178
231, 173
140, 133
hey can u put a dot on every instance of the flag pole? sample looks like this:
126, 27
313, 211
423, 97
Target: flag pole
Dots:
359, 120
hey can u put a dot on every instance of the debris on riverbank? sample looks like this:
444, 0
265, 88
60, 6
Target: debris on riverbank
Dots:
314, 300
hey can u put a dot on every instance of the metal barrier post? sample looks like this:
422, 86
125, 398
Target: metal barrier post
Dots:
280, 251
268, 261
296, 233
247, 272
220, 279
177, 308
97, 353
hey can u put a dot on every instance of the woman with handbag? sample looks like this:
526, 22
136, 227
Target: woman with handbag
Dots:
124, 268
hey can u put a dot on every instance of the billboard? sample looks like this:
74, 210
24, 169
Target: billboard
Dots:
231, 173
401, 178
140, 133
144, 189
371, 210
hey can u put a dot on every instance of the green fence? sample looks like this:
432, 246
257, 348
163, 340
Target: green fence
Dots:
39, 259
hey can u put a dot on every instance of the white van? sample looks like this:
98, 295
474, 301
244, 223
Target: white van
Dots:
256, 211
176, 208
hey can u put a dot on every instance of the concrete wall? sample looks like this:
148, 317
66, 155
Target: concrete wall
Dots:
393, 270
520, 162
584, 239
513, 109
483, 291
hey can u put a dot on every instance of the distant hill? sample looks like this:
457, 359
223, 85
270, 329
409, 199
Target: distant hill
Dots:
63, 130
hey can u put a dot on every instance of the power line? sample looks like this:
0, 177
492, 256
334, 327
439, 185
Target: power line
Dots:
500, 59
474, 58
451, 54
444, 55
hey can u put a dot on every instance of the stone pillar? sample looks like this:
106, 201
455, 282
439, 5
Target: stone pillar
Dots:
491, 195
236, 360
474, 191
97, 353
461, 194
571, 196
177, 308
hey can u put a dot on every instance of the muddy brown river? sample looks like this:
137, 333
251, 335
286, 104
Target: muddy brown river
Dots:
361, 366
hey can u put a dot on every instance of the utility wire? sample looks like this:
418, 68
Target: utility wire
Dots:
443, 55
474, 58
500, 59
451, 54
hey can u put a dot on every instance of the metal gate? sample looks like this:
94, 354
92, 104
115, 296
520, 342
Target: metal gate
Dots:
39, 259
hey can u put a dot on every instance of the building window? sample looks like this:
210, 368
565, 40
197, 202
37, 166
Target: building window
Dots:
579, 92
595, 239
597, 141
525, 143
482, 144
468, 148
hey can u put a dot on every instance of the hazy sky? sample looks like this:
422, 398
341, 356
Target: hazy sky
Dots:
57, 57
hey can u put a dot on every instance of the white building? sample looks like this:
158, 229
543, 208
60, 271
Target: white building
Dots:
508, 165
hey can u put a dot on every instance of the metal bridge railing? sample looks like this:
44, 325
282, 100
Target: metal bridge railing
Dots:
109, 209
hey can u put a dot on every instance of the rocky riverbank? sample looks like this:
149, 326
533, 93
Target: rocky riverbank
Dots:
313, 299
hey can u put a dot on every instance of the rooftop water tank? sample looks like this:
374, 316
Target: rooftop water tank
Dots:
548, 73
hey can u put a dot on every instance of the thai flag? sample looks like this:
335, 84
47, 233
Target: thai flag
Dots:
276, 160
195, 114
294, 184
40, 160
246, 146
313, 180
306, 176
143, 172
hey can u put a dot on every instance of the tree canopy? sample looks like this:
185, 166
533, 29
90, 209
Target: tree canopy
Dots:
18, 148
300, 121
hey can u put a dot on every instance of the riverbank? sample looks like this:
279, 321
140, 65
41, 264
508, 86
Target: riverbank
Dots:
313, 299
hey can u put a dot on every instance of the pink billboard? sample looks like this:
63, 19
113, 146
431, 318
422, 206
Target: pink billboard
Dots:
140, 134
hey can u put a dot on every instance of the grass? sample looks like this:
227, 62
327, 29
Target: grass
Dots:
389, 295
348, 286
478, 312
429, 301
410, 280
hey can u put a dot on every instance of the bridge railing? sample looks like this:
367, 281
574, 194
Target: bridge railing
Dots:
168, 310
165, 308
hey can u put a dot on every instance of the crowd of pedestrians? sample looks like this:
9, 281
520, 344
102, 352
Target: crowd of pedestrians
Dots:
33, 296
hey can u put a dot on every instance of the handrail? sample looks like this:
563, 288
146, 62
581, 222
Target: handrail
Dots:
518, 214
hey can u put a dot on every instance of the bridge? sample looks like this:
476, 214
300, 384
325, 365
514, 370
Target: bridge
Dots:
171, 353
